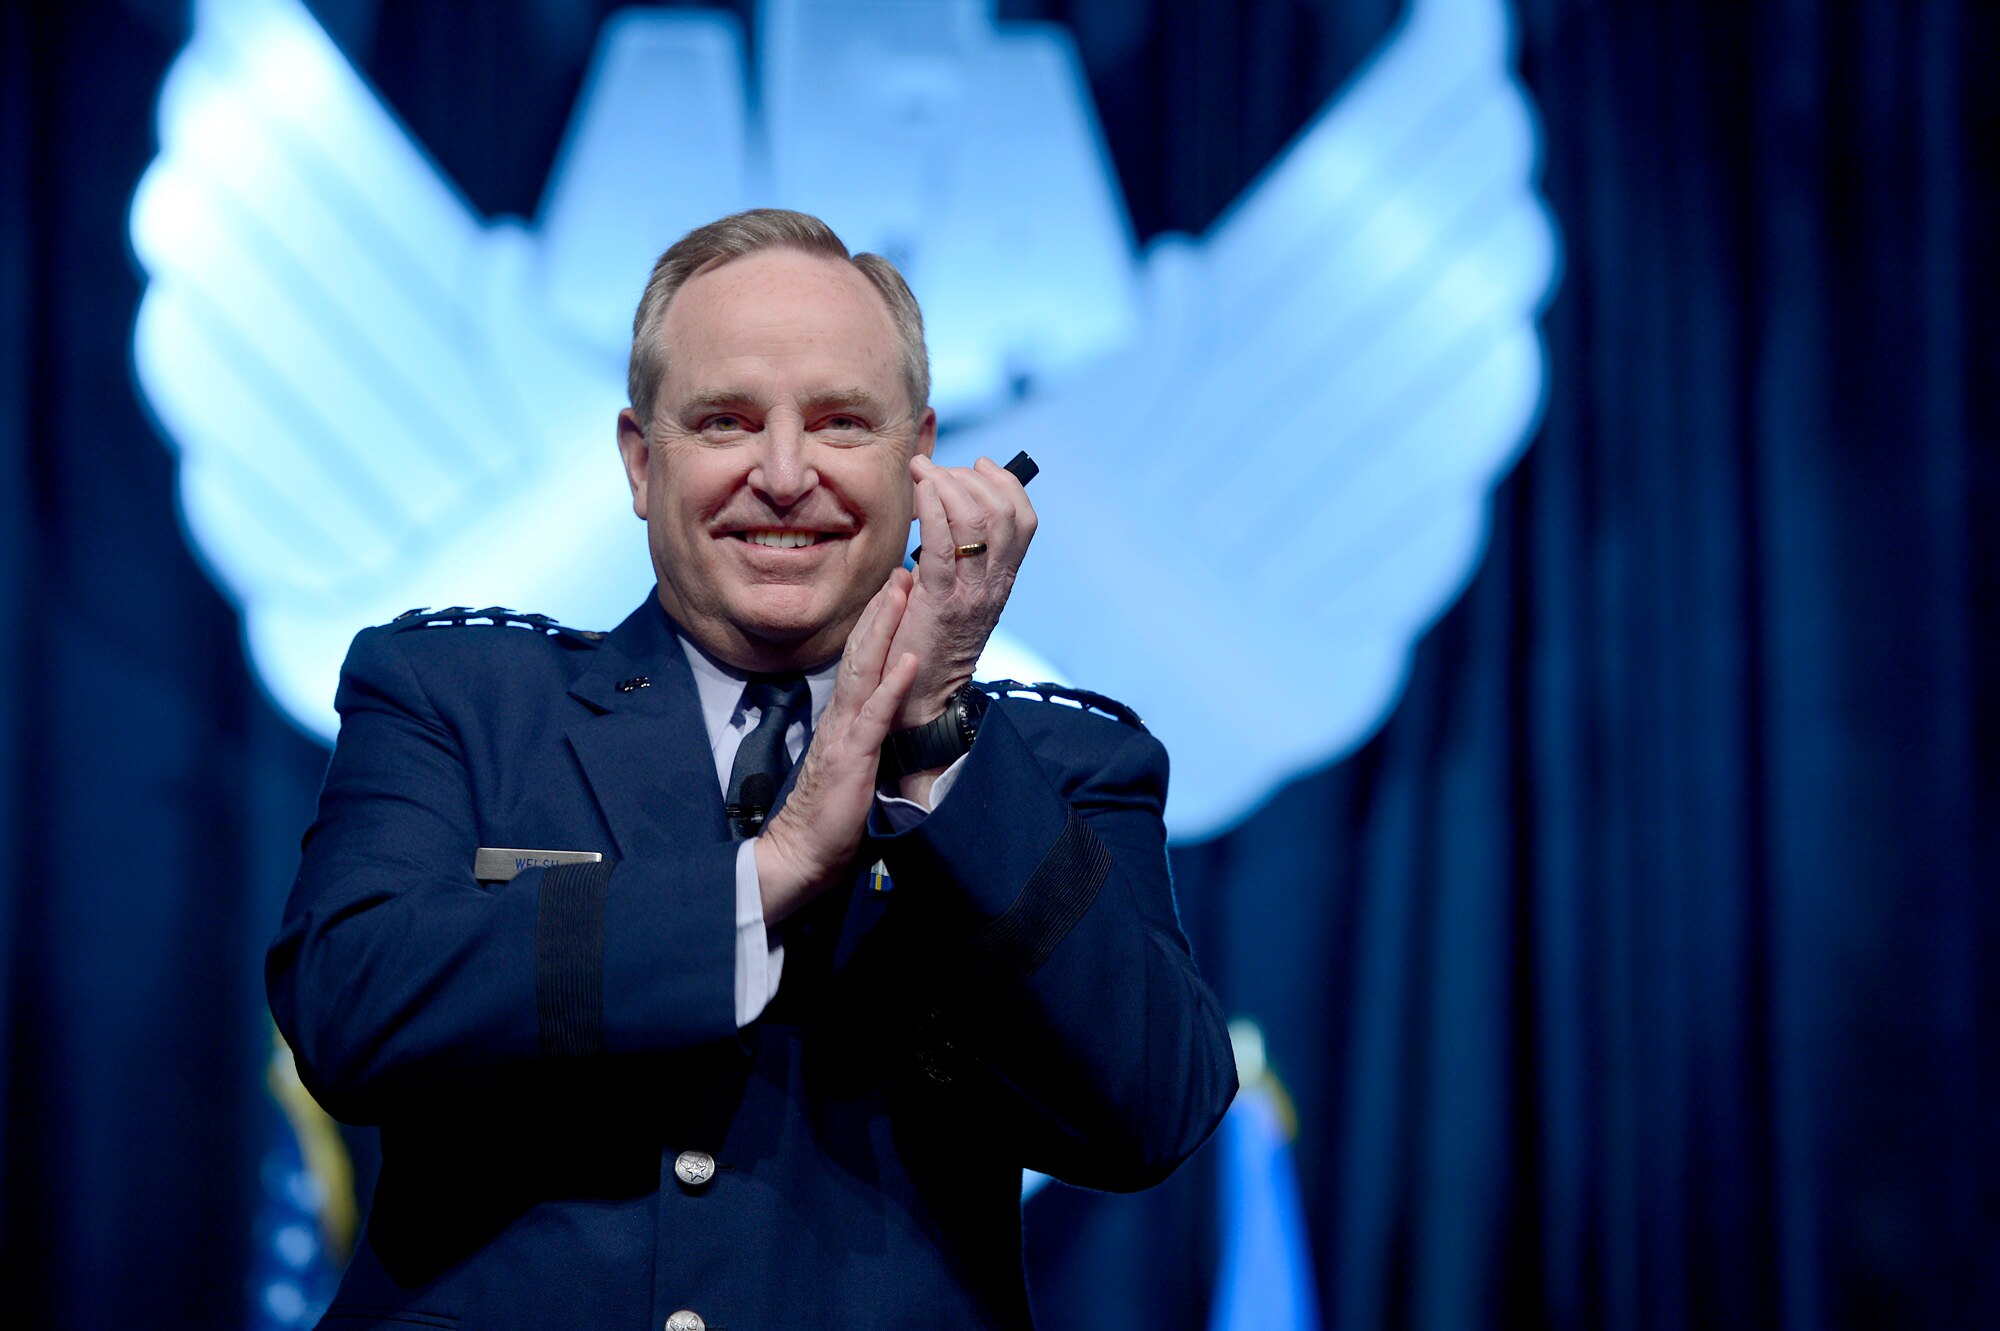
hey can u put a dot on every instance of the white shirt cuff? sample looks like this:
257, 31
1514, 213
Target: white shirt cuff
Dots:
759, 961
905, 814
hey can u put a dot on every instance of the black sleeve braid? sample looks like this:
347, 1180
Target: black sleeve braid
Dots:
1056, 896
569, 959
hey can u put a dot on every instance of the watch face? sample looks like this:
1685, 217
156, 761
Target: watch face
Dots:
969, 706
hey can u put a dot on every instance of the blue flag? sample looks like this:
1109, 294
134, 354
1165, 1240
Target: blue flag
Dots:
1265, 1279
306, 1220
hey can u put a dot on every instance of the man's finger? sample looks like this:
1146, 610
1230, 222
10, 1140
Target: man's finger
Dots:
1017, 496
978, 512
879, 713
974, 514
934, 570
1011, 490
868, 646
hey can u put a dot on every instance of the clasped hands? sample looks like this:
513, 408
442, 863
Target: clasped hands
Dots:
914, 646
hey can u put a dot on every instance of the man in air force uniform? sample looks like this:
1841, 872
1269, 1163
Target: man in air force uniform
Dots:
672, 1018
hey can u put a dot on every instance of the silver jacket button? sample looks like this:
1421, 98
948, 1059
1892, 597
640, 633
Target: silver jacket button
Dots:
694, 1168
686, 1321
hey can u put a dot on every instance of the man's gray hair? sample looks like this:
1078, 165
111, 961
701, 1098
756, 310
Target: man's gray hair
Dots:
747, 233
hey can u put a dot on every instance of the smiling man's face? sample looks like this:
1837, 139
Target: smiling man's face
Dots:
774, 475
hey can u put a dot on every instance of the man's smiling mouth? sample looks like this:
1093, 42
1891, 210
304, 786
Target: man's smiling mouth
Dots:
786, 540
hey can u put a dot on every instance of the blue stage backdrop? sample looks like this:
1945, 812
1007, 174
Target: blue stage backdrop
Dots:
1635, 974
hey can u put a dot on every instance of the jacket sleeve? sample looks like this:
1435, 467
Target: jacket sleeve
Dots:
398, 978
1064, 976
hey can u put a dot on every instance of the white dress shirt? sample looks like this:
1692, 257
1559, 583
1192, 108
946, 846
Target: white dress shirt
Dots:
760, 960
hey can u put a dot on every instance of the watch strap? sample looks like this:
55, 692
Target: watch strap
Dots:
940, 743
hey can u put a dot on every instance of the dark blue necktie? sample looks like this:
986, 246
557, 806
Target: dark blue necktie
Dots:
762, 761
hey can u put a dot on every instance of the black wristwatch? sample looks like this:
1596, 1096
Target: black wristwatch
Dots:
939, 744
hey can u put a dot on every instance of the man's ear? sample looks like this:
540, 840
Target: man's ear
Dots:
926, 434
635, 452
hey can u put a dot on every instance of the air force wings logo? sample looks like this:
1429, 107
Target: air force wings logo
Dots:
1268, 450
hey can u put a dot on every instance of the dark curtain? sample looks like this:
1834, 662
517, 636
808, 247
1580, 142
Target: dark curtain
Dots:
1631, 977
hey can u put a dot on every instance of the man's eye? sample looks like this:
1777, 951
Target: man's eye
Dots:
722, 423
845, 422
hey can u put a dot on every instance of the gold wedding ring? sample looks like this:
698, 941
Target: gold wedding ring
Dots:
968, 551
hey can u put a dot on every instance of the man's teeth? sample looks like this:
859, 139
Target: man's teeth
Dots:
784, 540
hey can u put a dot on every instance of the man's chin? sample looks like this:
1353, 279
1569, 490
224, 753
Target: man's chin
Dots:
791, 632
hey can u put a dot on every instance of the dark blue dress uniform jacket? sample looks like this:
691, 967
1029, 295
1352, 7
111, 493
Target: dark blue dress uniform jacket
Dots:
538, 1052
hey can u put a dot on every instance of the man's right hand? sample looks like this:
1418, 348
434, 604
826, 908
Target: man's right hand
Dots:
809, 845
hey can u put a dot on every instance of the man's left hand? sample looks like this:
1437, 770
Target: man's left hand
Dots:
957, 600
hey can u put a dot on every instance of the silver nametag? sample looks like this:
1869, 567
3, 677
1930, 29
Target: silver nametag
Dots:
498, 864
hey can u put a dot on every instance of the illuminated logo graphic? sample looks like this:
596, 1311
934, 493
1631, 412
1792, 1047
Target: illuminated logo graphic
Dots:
1268, 451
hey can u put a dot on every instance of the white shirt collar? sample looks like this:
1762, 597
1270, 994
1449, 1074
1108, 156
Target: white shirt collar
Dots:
721, 690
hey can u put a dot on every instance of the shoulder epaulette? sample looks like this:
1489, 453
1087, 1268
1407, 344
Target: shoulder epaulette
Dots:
1062, 695
495, 616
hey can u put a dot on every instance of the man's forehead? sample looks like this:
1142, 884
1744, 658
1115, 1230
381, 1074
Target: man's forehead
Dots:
783, 282
781, 323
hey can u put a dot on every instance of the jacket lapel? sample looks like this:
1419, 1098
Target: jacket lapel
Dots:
645, 750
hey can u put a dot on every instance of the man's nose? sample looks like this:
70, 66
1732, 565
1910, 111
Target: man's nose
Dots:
784, 472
